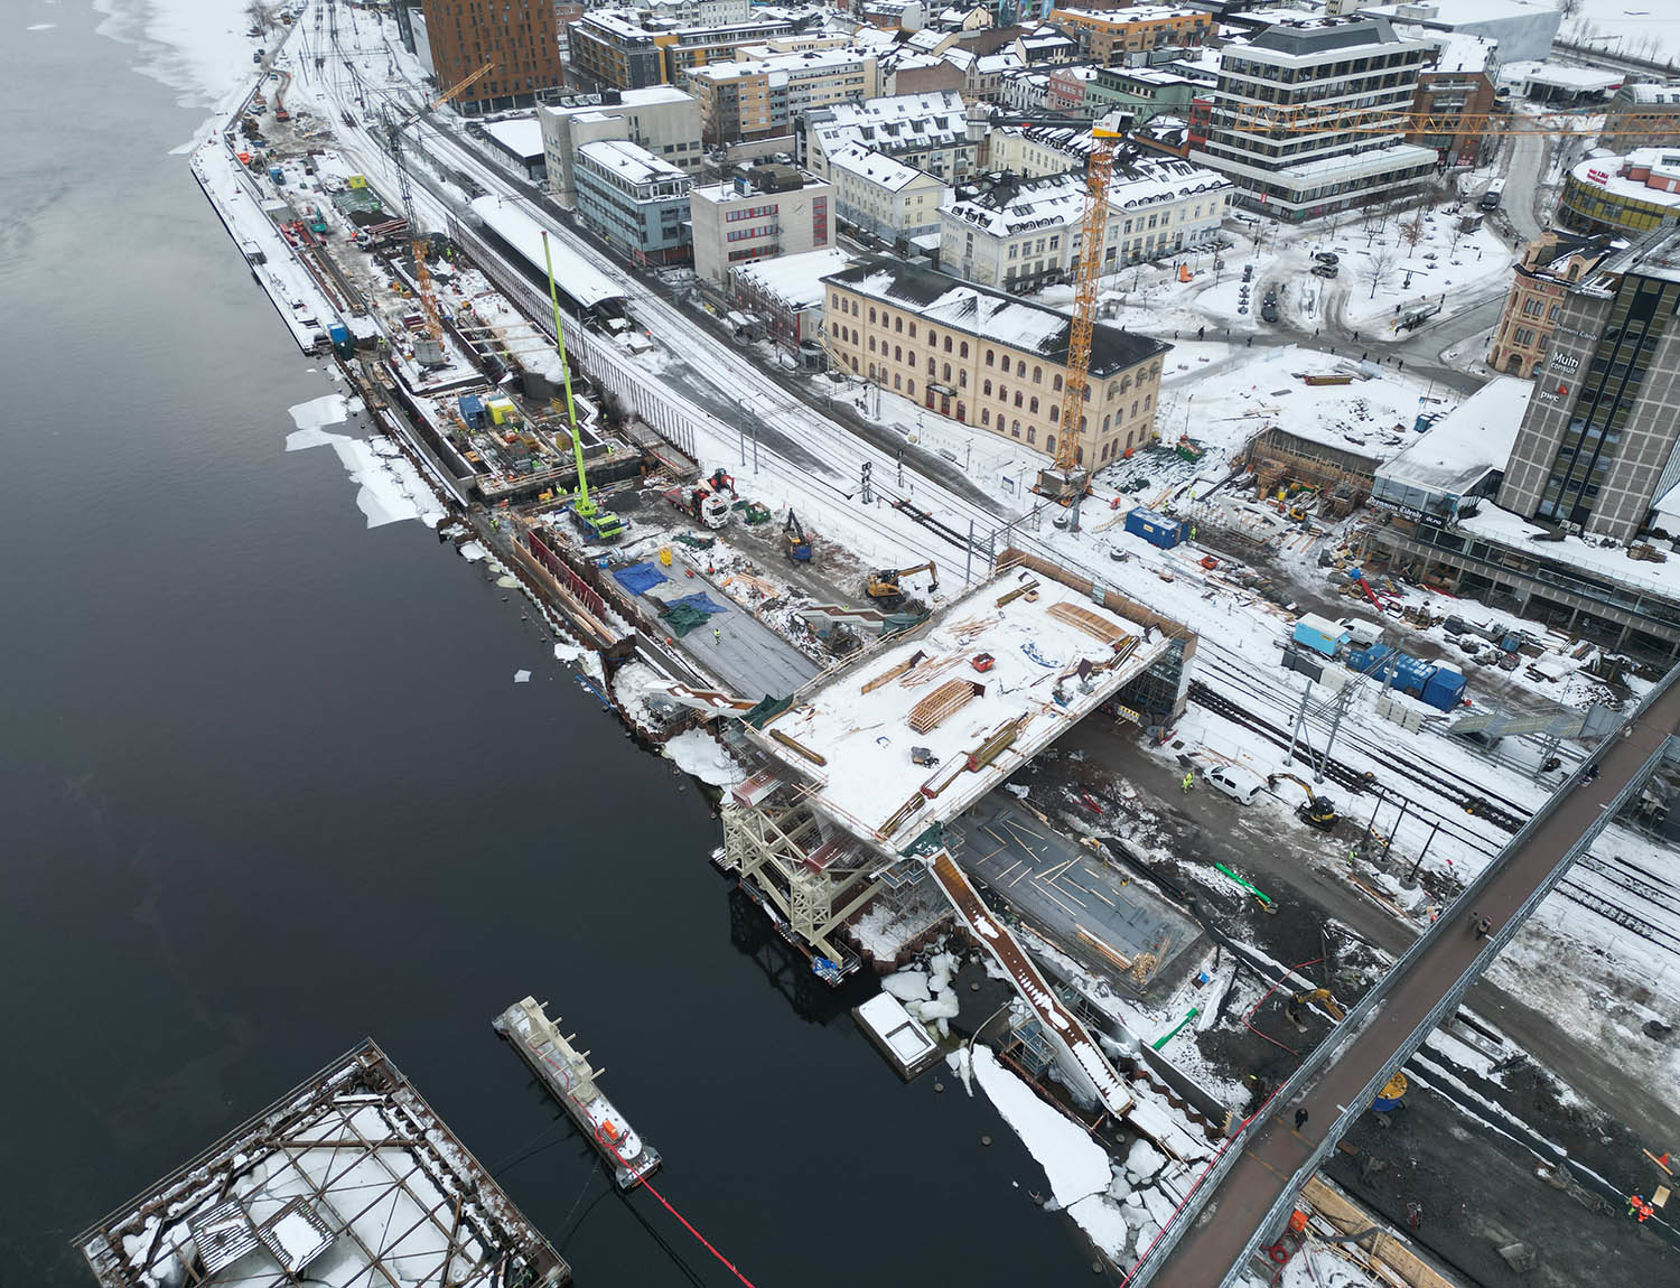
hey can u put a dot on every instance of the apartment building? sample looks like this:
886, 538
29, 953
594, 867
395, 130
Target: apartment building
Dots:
1330, 75
987, 359
883, 197
764, 213
1022, 234
516, 35
628, 49
1110, 35
636, 201
750, 100
1541, 280
1033, 151
660, 119
932, 132
1141, 92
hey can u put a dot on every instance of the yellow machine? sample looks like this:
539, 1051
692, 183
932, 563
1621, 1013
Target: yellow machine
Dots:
887, 583
1321, 998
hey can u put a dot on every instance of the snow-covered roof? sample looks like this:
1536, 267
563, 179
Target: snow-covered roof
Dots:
1126, 17
1460, 51
991, 315
630, 99
869, 780
521, 137
794, 280
1560, 76
901, 123
878, 168
1609, 560
1460, 12
1059, 199
1614, 175
630, 162
1461, 447
1645, 94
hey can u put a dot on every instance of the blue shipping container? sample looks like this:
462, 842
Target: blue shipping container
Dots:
1156, 529
1369, 659
472, 410
1445, 689
1411, 675
338, 333
277, 174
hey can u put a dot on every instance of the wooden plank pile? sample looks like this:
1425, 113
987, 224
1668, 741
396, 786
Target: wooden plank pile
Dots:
1083, 619
942, 703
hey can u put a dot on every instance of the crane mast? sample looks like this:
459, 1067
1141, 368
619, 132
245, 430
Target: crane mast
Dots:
428, 352
1067, 481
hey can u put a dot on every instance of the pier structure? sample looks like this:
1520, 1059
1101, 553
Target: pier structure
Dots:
349, 1179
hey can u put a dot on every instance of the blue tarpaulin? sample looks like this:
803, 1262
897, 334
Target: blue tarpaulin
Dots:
702, 602
639, 578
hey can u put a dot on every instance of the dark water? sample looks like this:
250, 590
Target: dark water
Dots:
266, 787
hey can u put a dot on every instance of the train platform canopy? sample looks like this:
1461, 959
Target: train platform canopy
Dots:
911, 734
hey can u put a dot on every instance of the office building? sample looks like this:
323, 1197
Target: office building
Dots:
1541, 279
758, 99
663, 120
635, 200
1115, 35
761, 213
1285, 107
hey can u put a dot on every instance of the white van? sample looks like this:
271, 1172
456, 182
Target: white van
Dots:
1236, 782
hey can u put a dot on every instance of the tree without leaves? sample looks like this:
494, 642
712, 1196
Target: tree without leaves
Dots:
1382, 268
1411, 232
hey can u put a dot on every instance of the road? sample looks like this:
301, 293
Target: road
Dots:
1279, 1148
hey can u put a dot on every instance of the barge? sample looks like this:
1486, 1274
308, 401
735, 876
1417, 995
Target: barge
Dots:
567, 1074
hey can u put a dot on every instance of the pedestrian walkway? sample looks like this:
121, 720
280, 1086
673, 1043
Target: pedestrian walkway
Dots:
1275, 1152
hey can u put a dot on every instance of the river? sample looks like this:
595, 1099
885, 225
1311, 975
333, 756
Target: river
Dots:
268, 787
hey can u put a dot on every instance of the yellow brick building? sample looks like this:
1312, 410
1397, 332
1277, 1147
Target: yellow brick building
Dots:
987, 359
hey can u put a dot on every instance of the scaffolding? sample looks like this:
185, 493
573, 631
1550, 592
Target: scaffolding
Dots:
351, 1175
808, 882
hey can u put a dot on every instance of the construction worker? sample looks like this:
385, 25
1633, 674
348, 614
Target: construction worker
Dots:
1300, 1119
717, 636
1188, 781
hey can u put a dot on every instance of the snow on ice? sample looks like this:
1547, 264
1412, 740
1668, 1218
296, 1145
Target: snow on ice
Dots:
697, 752
1076, 1165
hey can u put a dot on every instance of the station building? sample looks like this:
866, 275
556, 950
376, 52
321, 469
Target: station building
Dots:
988, 359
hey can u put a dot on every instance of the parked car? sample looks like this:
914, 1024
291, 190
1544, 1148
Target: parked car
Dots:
1236, 782
1328, 257
1326, 270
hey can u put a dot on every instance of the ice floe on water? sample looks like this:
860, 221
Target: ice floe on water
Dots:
697, 752
391, 489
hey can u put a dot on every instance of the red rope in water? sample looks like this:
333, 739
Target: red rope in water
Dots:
673, 1211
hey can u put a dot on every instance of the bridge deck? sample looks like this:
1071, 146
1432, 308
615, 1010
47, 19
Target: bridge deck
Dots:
1268, 1165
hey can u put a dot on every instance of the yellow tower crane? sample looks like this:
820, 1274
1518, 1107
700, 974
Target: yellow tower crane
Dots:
429, 351
1067, 480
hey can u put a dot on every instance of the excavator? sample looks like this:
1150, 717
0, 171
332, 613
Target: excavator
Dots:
1314, 996
797, 543
1316, 811
886, 585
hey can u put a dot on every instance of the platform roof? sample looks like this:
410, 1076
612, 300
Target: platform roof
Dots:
1048, 672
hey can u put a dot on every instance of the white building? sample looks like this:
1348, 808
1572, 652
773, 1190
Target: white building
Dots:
884, 197
694, 13
1523, 29
932, 132
1326, 75
663, 120
772, 211
1033, 151
1025, 90
1023, 234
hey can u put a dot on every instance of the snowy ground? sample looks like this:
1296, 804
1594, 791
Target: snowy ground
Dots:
1650, 30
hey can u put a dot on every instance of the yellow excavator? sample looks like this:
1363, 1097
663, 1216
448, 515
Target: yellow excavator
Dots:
1316, 811
1315, 996
887, 584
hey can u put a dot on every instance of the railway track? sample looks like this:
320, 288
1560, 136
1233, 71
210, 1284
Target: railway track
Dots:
1618, 874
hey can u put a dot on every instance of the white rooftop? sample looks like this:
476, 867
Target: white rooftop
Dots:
1606, 172
522, 137
795, 280
629, 100
630, 162
1469, 440
1561, 76
869, 783
876, 167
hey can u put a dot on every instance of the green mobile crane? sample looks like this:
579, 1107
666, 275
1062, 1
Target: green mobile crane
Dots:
596, 523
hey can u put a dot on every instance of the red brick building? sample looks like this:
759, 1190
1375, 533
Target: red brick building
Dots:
518, 36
